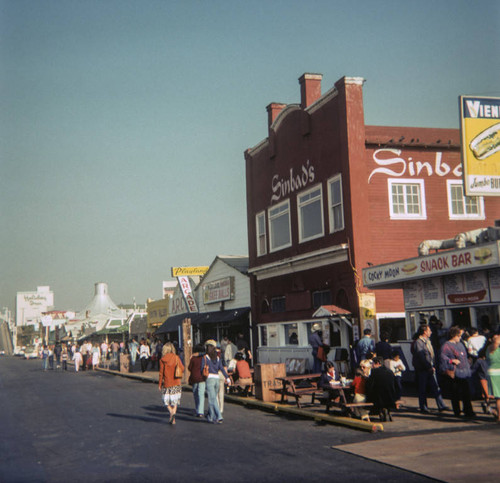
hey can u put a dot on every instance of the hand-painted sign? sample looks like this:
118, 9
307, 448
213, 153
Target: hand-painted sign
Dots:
480, 129
188, 294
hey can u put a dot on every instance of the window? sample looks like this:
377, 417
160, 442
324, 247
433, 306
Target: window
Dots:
310, 210
278, 304
322, 297
291, 334
335, 204
279, 226
261, 234
463, 207
407, 199
269, 335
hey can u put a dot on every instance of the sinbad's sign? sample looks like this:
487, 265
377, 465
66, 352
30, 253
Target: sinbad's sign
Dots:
461, 260
480, 130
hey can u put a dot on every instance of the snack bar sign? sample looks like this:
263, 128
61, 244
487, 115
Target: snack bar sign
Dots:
461, 260
480, 131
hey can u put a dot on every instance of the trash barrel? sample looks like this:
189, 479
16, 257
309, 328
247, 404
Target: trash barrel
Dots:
124, 363
266, 384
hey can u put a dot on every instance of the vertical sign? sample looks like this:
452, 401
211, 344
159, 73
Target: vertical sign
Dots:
188, 294
480, 132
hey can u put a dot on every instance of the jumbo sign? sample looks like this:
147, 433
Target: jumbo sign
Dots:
461, 260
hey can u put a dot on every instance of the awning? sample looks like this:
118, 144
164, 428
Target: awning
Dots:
220, 316
334, 312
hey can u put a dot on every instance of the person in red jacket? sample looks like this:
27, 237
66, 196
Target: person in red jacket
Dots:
169, 385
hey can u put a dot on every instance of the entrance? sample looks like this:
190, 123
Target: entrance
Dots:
461, 317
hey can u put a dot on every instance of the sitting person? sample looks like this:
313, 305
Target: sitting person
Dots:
359, 384
381, 389
242, 374
329, 376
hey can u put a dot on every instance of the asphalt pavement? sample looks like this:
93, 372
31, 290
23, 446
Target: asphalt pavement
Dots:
94, 426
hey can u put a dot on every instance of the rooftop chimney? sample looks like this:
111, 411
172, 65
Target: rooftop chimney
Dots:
273, 110
310, 89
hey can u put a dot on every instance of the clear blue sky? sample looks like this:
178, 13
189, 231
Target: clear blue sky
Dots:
123, 123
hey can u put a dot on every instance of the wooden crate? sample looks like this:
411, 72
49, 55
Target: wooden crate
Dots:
265, 381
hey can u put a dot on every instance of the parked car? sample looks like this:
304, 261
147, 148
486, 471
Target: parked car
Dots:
30, 353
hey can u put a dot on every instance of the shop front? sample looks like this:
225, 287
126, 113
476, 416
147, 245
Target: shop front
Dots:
457, 286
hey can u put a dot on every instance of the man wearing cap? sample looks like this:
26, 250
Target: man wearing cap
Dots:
316, 341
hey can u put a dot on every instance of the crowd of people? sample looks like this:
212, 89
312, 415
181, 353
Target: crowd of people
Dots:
89, 355
464, 363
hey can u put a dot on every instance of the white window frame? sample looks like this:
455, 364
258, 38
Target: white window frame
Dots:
334, 228
407, 216
270, 218
451, 183
301, 204
259, 216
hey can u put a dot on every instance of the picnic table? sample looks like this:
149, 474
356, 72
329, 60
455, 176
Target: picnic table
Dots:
339, 396
298, 386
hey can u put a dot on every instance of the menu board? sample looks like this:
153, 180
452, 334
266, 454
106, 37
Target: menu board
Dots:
494, 280
466, 288
424, 293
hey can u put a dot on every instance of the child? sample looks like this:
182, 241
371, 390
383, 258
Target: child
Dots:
396, 365
77, 357
480, 372
359, 384
64, 358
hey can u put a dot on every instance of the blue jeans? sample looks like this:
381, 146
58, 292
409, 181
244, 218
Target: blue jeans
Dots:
424, 379
317, 365
214, 414
45, 363
199, 397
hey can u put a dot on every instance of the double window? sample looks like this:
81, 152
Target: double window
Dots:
310, 210
407, 199
335, 204
462, 207
279, 226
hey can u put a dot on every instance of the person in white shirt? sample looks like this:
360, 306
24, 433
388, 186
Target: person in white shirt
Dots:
475, 343
396, 365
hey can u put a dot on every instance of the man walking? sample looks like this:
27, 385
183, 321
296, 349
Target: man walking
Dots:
425, 371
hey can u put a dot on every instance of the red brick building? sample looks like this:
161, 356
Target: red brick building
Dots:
327, 196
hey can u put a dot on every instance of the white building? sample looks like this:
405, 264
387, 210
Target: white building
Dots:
30, 305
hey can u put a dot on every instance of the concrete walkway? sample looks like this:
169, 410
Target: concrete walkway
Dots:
436, 445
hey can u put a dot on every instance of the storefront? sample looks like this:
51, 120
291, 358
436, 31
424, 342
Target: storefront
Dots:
223, 301
457, 286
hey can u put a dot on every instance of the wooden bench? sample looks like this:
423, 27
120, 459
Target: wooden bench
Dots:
298, 386
342, 404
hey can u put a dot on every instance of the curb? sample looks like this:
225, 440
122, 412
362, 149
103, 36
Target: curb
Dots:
274, 407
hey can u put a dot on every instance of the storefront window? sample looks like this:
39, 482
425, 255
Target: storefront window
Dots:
291, 334
269, 335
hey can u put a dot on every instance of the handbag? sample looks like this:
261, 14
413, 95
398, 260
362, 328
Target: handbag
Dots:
178, 370
206, 370
321, 354
450, 373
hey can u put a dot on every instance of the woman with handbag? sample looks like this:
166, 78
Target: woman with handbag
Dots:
455, 368
210, 366
169, 382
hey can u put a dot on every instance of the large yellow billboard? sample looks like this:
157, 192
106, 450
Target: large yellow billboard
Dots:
480, 130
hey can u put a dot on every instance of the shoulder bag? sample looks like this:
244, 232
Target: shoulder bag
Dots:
178, 370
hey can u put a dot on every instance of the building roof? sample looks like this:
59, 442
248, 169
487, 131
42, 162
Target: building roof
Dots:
238, 262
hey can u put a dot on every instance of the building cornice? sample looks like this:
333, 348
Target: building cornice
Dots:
307, 261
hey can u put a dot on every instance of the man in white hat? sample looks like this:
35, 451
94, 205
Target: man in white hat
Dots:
316, 341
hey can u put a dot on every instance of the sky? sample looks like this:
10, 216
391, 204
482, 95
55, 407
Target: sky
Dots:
123, 123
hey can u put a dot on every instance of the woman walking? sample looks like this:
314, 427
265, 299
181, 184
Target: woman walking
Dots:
456, 369
197, 380
96, 355
144, 354
493, 359
169, 384
214, 363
